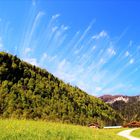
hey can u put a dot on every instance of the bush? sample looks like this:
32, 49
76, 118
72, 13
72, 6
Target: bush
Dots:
132, 124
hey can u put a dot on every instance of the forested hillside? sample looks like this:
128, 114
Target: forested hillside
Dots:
28, 92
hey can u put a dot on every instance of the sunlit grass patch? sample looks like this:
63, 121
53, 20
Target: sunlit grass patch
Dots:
136, 133
39, 130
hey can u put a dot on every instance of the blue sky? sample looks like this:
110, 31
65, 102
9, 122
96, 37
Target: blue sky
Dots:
93, 44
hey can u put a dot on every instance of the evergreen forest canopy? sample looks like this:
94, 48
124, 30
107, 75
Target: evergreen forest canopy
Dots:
29, 92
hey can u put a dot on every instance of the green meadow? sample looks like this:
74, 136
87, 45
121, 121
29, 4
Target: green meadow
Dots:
136, 133
40, 130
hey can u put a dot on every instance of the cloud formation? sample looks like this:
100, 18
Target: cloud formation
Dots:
93, 61
100, 35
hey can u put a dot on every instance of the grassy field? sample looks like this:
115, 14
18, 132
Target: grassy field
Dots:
39, 130
136, 133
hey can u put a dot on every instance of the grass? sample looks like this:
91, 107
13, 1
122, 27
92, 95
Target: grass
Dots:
39, 130
136, 133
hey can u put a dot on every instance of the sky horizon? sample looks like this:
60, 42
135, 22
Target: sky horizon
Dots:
92, 44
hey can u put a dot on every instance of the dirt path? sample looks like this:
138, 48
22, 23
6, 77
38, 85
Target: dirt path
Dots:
126, 134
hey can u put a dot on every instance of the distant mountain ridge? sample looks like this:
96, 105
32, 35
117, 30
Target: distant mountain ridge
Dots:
113, 98
127, 106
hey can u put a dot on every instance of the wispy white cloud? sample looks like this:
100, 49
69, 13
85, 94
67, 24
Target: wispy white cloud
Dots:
55, 16
45, 57
102, 34
36, 21
98, 89
102, 61
81, 38
29, 33
62, 64
122, 34
111, 51
131, 61
84, 86
26, 51
78, 50
93, 48
54, 28
127, 53
1, 44
64, 27
62, 71
114, 89
130, 43
28, 57
32, 61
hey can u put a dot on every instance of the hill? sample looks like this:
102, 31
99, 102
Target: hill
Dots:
128, 106
29, 92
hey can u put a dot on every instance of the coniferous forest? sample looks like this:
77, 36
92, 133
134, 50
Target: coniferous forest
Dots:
29, 92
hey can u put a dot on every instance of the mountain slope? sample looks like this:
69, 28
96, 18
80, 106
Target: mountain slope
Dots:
128, 106
130, 110
29, 92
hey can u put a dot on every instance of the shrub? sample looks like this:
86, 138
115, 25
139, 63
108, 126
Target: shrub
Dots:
132, 124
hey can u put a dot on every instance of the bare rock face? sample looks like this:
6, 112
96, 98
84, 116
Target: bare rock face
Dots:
111, 99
